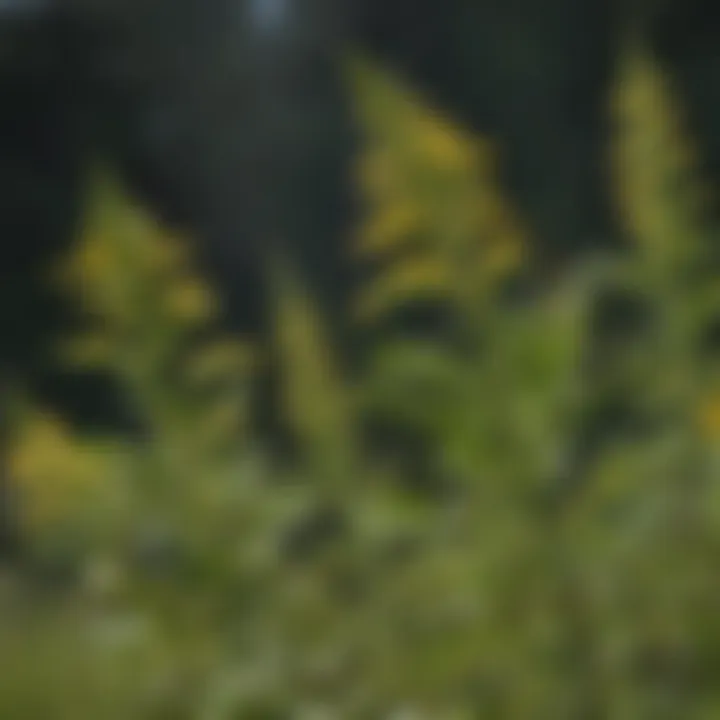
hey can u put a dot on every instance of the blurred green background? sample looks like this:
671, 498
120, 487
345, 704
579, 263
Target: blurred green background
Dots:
188, 578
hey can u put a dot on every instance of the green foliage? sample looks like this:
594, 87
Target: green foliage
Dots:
181, 579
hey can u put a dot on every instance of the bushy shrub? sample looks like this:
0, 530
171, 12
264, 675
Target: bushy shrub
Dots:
184, 578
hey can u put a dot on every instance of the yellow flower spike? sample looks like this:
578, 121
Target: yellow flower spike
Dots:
376, 173
93, 259
444, 147
190, 300
389, 228
708, 418
51, 470
503, 256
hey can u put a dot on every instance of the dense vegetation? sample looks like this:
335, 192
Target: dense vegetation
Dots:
186, 578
